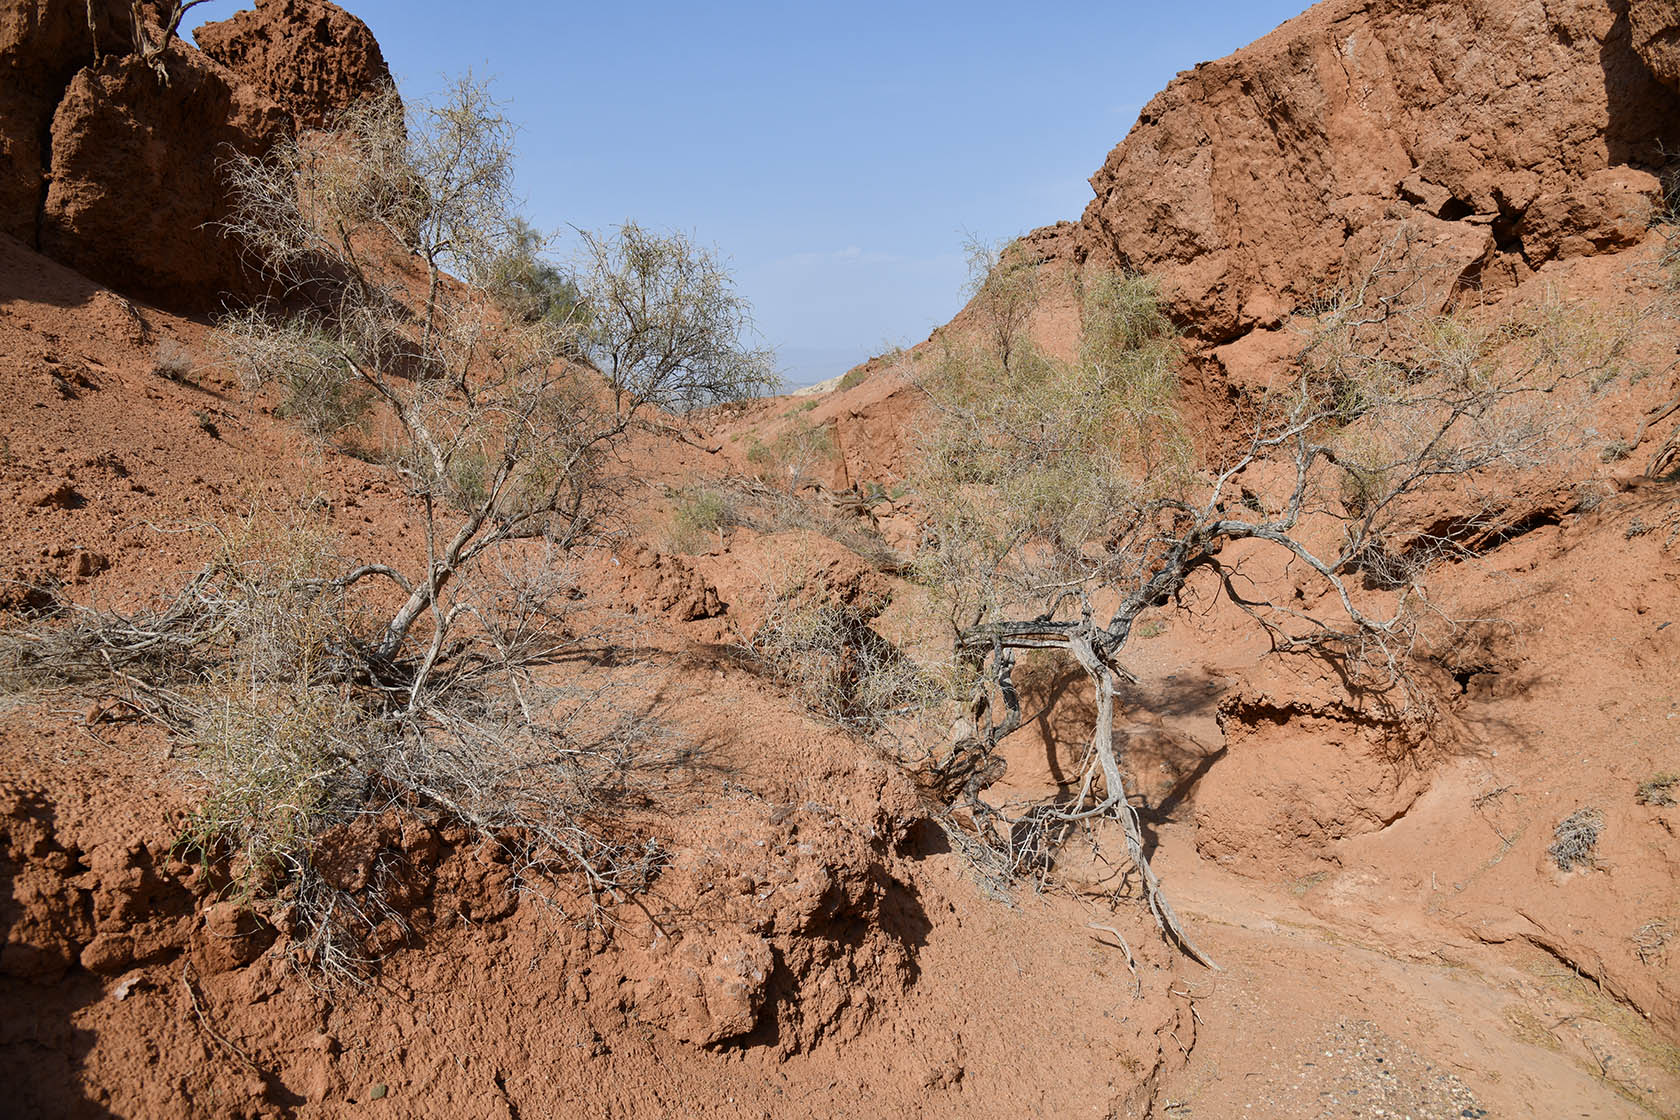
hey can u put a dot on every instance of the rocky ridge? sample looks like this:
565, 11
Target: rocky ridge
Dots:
1491, 136
114, 170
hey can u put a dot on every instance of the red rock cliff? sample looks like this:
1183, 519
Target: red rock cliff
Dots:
1505, 132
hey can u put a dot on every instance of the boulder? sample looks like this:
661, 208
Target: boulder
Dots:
311, 56
1244, 181
42, 45
1655, 25
1611, 209
136, 189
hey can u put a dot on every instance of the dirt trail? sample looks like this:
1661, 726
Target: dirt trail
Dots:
1321, 1018
1364, 1004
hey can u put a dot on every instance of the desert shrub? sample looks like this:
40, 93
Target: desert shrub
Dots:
698, 514
1052, 486
1658, 789
298, 356
1004, 289
853, 378
1575, 837
1650, 940
796, 453
495, 436
173, 361
260, 669
532, 287
1033, 462
828, 655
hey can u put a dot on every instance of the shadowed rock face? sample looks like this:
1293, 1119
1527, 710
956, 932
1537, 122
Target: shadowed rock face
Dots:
115, 172
136, 190
43, 43
311, 56
1656, 37
1255, 182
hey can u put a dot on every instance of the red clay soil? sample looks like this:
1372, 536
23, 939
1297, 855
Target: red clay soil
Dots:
130, 991
819, 949
1394, 938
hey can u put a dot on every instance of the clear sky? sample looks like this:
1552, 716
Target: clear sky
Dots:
834, 153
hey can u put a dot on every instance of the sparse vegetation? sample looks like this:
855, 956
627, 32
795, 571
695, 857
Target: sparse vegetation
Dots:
531, 287
1052, 485
827, 653
172, 361
260, 666
853, 378
316, 692
666, 325
794, 456
1004, 291
1658, 789
1650, 941
698, 515
1575, 837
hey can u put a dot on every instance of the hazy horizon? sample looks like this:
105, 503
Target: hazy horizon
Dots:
835, 158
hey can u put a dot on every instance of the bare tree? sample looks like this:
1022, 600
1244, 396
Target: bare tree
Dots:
1053, 486
307, 699
497, 438
396, 231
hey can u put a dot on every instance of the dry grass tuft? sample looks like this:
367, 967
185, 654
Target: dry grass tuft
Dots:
1658, 789
1575, 838
1650, 941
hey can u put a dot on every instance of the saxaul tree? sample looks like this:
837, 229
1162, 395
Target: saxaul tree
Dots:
416, 322
667, 326
1065, 500
409, 293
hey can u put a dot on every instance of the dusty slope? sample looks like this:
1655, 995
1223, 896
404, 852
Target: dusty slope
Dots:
818, 950
130, 992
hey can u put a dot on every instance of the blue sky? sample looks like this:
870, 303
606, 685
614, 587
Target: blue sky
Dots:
834, 153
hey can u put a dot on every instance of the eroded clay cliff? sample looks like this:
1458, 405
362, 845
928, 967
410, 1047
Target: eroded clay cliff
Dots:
1499, 135
113, 168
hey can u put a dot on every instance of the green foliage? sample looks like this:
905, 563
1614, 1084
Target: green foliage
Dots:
667, 327
531, 287
699, 513
853, 378
1034, 461
798, 450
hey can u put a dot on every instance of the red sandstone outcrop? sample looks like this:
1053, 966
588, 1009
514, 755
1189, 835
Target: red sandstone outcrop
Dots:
311, 56
1656, 36
1496, 135
114, 171
43, 43
136, 191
